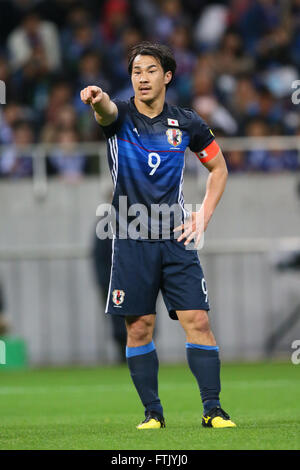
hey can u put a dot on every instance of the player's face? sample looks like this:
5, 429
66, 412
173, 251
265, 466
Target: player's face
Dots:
148, 78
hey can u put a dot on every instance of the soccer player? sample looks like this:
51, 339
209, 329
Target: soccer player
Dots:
147, 139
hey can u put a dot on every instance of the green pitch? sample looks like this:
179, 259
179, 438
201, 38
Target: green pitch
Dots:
99, 409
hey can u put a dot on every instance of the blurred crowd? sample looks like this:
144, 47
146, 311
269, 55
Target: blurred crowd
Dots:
236, 61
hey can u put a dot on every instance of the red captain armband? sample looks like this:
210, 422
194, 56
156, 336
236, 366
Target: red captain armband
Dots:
208, 153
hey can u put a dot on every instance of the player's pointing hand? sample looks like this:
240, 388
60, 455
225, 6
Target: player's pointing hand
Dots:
91, 95
105, 110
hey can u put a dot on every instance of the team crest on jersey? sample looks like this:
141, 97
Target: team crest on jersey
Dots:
118, 296
174, 136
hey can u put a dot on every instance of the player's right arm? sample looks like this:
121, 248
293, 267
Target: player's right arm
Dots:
105, 110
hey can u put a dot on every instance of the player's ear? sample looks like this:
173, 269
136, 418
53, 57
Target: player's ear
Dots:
168, 77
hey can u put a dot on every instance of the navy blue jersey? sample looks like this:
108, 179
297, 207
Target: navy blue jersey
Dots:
146, 160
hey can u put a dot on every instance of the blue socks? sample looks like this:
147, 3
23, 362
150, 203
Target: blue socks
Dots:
143, 365
204, 363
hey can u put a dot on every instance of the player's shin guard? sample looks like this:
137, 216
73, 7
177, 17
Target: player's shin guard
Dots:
204, 363
143, 365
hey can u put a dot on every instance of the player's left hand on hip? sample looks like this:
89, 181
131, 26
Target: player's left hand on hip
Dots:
193, 229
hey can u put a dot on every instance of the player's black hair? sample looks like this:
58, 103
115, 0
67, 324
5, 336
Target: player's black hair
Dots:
162, 54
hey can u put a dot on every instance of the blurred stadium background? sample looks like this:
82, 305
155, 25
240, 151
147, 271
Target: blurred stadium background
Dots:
237, 62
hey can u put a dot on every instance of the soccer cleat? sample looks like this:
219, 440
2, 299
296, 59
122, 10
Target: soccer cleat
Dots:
217, 418
152, 421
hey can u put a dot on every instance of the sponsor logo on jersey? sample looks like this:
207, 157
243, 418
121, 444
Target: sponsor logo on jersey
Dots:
118, 296
174, 136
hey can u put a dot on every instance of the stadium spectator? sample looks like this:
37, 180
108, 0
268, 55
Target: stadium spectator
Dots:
16, 160
203, 84
230, 57
273, 49
170, 16
60, 95
243, 102
255, 20
268, 107
214, 114
115, 20
65, 119
34, 41
236, 162
146, 13
280, 160
180, 43
66, 160
11, 113
210, 26
83, 38
75, 16
257, 127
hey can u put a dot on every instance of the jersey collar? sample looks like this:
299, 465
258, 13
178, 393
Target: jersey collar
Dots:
147, 118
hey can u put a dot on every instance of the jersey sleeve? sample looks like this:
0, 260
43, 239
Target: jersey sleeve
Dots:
202, 140
114, 127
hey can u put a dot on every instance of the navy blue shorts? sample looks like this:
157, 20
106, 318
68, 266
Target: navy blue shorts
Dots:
140, 269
